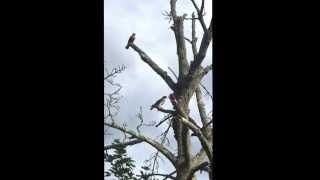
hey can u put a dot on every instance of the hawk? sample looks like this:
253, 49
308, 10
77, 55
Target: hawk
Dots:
159, 103
131, 39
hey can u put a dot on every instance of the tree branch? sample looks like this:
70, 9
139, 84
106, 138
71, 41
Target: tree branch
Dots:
174, 113
201, 166
205, 42
196, 72
170, 116
207, 69
162, 141
200, 156
129, 143
163, 74
114, 72
170, 175
181, 46
167, 153
208, 124
187, 39
166, 110
207, 92
173, 8
202, 7
181, 112
204, 142
157, 174
200, 14
201, 107
178, 30
194, 38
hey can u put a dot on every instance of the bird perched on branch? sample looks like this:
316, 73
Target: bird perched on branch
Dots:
159, 103
131, 39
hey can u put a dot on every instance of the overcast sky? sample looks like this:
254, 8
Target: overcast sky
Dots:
141, 86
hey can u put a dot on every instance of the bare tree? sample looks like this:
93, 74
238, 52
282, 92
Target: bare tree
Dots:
188, 83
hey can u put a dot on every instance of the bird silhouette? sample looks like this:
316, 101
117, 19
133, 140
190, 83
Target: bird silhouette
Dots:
159, 103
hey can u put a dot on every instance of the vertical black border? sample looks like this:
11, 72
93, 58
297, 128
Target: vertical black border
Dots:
53, 81
99, 174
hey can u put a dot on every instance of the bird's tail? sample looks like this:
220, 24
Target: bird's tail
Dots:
151, 107
127, 47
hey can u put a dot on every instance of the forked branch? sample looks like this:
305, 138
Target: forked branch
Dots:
200, 14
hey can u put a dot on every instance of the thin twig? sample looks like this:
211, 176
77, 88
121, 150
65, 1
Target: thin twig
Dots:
188, 40
164, 120
170, 174
162, 142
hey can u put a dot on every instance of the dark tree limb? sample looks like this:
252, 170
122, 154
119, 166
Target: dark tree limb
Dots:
166, 176
166, 111
163, 120
163, 74
207, 92
170, 175
174, 113
128, 143
187, 39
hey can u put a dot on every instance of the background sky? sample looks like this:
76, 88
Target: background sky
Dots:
141, 86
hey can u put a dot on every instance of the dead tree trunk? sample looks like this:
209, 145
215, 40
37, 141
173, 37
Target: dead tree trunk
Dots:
188, 82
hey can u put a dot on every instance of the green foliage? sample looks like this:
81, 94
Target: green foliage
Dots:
122, 166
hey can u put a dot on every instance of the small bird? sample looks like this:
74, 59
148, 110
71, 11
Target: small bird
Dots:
159, 103
173, 99
131, 39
